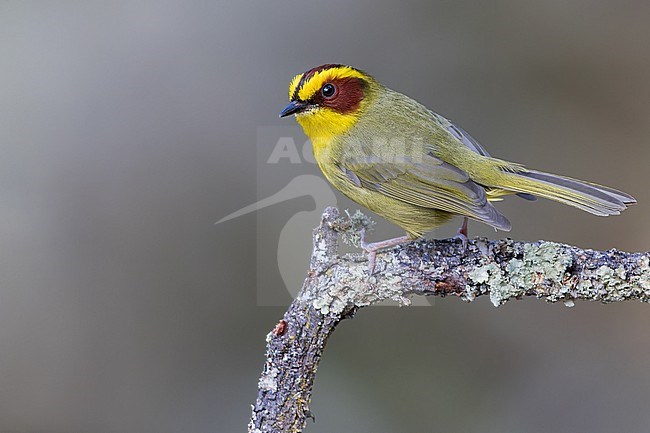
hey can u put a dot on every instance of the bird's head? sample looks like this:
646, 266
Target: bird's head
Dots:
329, 99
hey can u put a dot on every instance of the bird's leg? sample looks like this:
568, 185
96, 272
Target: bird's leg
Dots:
462, 234
372, 248
463, 228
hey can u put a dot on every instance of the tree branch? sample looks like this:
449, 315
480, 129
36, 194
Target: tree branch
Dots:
336, 287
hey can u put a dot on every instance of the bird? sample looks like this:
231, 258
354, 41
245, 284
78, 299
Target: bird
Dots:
412, 166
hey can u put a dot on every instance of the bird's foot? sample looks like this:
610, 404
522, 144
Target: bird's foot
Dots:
373, 247
462, 235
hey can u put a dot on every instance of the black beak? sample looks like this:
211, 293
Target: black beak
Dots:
293, 108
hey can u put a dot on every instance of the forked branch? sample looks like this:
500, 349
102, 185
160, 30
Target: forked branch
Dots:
337, 286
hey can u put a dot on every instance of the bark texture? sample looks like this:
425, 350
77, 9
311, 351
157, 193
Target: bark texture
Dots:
337, 286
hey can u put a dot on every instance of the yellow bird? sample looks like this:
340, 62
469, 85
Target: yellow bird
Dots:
412, 166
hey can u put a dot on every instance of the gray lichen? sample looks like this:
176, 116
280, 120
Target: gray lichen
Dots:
351, 226
543, 264
337, 286
629, 279
267, 381
352, 289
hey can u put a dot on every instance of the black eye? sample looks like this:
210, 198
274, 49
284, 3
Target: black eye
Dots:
328, 90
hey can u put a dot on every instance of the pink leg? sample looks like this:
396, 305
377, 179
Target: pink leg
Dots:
372, 248
462, 233
463, 228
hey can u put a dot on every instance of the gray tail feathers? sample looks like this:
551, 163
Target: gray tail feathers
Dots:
596, 199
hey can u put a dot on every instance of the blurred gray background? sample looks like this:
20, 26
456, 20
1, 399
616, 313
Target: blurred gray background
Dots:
128, 128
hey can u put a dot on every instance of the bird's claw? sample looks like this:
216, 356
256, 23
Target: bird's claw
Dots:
368, 248
372, 248
372, 255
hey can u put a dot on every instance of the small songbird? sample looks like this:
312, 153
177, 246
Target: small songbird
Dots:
412, 166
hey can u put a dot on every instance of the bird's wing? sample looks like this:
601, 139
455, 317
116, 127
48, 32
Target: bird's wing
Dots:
427, 182
469, 141
466, 139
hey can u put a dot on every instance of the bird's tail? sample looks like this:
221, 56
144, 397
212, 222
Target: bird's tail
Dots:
596, 199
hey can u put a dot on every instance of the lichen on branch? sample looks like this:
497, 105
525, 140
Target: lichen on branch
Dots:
337, 286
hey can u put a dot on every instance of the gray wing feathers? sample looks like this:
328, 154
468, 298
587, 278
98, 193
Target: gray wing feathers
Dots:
429, 183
